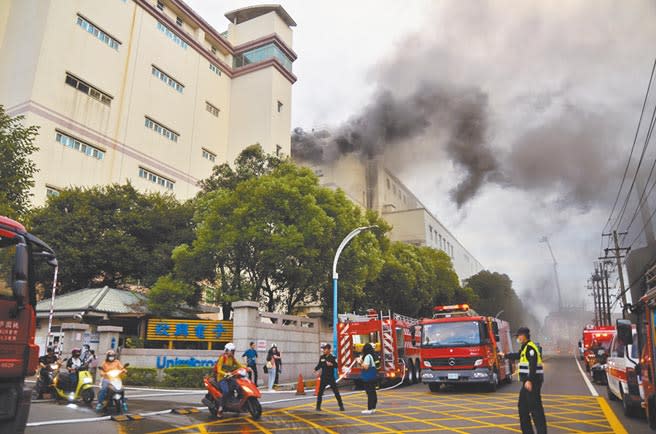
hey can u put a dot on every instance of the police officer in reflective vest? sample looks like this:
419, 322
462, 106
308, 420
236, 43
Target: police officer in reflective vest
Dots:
531, 375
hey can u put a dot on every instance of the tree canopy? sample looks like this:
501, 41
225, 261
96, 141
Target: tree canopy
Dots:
17, 169
112, 235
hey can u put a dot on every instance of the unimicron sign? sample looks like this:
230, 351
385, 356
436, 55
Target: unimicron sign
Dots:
176, 362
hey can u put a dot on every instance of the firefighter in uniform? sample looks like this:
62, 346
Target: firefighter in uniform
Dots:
531, 375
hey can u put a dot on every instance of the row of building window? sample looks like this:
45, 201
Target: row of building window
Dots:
88, 89
441, 242
156, 179
172, 36
215, 69
95, 31
160, 129
208, 155
79, 145
167, 79
397, 192
260, 54
213, 110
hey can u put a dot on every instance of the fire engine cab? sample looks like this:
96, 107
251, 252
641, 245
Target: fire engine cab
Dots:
389, 334
460, 346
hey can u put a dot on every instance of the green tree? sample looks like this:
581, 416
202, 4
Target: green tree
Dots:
112, 235
166, 294
270, 235
17, 169
495, 293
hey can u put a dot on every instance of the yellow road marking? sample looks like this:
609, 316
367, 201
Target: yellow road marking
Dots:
312, 424
364, 421
258, 426
612, 419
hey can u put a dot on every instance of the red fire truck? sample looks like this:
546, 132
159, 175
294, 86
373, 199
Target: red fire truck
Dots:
646, 337
460, 346
602, 334
389, 334
19, 253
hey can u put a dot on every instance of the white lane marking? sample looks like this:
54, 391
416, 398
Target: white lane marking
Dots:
591, 388
62, 421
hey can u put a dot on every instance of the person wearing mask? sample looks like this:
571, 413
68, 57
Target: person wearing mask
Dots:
251, 361
327, 365
531, 375
111, 363
274, 365
224, 366
369, 377
73, 366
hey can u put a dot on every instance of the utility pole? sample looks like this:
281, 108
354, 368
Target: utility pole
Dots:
618, 257
555, 267
609, 320
594, 300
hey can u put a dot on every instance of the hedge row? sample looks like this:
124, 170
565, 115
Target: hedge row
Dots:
186, 378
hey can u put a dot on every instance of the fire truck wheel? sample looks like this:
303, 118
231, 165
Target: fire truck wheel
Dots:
407, 378
434, 387
651, 411
610, 394
417, 371
492, 386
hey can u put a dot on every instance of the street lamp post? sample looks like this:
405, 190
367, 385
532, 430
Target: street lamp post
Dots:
341, 247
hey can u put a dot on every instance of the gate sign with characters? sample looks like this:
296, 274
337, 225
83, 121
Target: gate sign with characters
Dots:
189, 330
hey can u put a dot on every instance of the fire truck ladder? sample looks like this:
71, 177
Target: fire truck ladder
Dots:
387, 333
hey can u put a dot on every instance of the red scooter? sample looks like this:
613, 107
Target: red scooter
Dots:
245, 397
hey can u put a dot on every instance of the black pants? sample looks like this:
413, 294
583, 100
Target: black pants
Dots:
530, 407
253, 376
372, 396
278, 366
329, 381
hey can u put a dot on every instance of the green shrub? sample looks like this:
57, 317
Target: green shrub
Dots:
189, 378
141, 377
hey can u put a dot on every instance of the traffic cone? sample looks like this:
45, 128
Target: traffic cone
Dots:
300, 386
316, 386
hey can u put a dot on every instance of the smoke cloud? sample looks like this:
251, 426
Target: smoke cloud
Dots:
524, 95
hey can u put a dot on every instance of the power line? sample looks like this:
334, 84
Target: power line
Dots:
635, 139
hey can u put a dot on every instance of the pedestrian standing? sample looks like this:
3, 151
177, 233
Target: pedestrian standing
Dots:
327, 365
276, 361
369, 377
531, 375
251, 361
271, 366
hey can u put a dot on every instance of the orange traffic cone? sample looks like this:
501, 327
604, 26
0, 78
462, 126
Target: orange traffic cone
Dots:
300, 386
316, 386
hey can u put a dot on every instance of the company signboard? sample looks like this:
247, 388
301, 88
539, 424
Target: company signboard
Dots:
189, 330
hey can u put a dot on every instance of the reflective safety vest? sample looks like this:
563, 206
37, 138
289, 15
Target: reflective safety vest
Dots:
524, 368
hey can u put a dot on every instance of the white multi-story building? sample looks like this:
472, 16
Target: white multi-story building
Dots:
370, 185
144, 91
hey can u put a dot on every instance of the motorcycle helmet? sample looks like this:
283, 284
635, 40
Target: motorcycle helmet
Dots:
50, 350
110, 355
230, 347
76, 352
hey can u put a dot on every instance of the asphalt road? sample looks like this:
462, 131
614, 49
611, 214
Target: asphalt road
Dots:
569, 404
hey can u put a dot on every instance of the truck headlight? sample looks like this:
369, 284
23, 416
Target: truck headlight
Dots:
427, 364
478, 363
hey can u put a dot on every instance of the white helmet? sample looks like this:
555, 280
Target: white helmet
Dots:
230, 346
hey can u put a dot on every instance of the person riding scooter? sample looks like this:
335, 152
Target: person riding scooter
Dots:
224, 366
111, 363
46, 371
73, 365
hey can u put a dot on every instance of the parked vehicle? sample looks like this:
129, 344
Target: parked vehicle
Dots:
460, 346
63, 381
391, 336
622, 371
593, 338
20, 253
115, 399
598, 369
246, 397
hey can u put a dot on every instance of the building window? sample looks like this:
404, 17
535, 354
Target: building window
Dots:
160, 6
210, 108
172, 36
86, 88
156, 179
278, 150
213, 48
95, 31
388, 183
52, 191
178, 21
260, 54
167, 79
160, 129
215, 69
279, 107
79, 145
439, 235
209, 155
430, 231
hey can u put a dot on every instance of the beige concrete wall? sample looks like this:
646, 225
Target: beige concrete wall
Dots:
32, 82
263, 25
